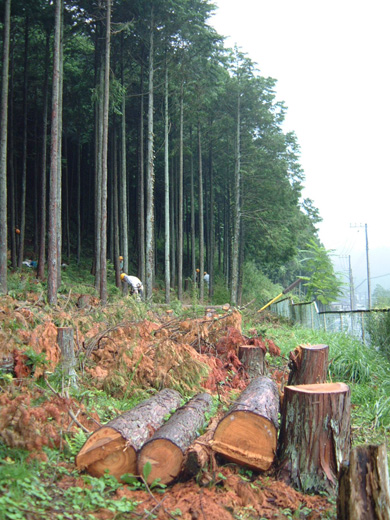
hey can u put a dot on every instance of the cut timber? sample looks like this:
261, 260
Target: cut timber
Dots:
308, 365
364, 485
165, 450
252, 358
199, 455
114, 446
314, 435
247, 434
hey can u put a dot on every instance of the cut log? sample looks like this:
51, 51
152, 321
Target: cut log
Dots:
65, 340
114, 446
165, 450
248, 433
364, 485
200, 456
308, 365
252, 358
314, 435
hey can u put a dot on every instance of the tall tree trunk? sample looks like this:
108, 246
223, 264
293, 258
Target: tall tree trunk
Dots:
150, 175
123, 189
24, 153
180, 200
42, 239
98, 175
11, 175
59, 153
193, 247
115, 209
141, 186
237, 208
166, 193
3, 150
211, 223
52, 279
103, 237
201, 223
78, 195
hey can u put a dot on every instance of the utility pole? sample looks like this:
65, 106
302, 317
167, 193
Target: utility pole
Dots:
368, 264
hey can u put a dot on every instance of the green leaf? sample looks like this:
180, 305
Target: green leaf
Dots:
146, 471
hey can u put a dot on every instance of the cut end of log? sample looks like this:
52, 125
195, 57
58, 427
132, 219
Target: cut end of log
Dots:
321, 388
246, 438
165, 458
107, 450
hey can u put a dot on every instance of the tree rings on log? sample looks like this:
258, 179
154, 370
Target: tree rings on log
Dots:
165, 450
252, 358
114, 446
248, 432
314, 436
308, 365
364, 485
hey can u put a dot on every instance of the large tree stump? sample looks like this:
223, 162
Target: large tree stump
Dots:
115, 445
308, 365
314, 435
364, 485
252, 357
165, 450
248, 433
65, 340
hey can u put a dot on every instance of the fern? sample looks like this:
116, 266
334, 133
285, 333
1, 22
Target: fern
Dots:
76, 442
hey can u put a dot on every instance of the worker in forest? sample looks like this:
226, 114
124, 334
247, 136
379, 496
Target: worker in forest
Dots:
134, 283
121, 263
206, 278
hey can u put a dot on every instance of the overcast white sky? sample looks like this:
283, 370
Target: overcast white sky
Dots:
331, 61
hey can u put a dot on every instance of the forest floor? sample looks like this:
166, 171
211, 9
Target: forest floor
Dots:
127, 352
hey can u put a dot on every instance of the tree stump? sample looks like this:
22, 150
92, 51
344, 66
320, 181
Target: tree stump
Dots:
248, 432
364, 485
65, 340
165, 450
252, 357
308, 365
115, 445
314, 435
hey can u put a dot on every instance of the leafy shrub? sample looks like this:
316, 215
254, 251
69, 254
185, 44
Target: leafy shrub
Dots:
378, 327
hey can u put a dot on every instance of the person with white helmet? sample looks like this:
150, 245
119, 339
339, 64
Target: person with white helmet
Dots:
135, 284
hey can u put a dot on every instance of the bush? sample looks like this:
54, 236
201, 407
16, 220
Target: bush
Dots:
378, 327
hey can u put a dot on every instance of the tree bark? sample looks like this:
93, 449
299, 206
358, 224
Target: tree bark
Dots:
308, 365
150, 175
314, 435
166, 194
165, 450
248, 433
65, 340
364, 485
3, 150
200, 456
201, 218
180, 199
114, 446
253, 360
237, 205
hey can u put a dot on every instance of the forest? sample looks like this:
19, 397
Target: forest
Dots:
129, 129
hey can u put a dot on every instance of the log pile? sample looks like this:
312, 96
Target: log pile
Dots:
314, 440
114, 447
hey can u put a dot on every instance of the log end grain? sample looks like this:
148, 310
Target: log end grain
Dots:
246, 438
107, 450
165, 459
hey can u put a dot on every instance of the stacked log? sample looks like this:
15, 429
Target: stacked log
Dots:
253, 359
165, 450
114, 446
248, 432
